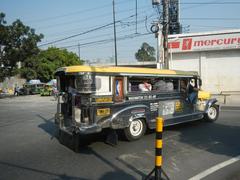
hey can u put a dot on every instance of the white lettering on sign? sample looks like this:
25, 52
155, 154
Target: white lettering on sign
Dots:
205, 42
215, 42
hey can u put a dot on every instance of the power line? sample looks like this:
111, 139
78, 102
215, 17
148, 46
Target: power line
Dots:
209, 19
88, 28
105, 34
91, 30
209, 3
72, 13
106, 40
79, 29
79, 34
84, 19
195, 6
206, 26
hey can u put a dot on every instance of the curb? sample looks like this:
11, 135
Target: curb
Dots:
6, 96
226, 107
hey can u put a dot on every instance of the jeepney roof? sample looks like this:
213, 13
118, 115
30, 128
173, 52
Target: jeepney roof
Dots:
122, 70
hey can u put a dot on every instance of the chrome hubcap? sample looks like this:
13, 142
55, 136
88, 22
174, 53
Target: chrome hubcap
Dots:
136, 128
212, 112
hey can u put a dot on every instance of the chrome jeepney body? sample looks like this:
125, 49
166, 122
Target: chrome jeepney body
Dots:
94, 98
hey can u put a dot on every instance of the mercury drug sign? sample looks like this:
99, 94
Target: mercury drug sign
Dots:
204, 42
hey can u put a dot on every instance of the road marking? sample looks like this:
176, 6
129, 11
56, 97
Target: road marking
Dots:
215, 168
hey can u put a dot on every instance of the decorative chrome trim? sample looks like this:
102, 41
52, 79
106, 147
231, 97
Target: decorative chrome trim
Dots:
125, 109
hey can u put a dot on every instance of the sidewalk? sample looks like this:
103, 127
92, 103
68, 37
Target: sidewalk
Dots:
232, 107
231, 102
4, 95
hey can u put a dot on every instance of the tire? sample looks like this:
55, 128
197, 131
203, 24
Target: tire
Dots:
135, 130
212, 114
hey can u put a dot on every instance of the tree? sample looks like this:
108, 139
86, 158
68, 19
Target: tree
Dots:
145, 53
17, 43
43, 65
3, 34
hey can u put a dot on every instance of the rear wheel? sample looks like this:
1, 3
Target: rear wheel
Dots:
212, 114
135, 130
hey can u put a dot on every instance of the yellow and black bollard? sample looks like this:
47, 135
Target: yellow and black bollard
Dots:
158, 151
158, 146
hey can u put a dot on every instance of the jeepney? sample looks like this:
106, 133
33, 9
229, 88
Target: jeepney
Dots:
46, 90
30, 88
94, 98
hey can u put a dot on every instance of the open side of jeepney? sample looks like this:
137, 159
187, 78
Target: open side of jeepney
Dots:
94, 98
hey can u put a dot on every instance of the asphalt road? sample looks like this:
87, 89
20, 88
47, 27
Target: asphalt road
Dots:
29, 149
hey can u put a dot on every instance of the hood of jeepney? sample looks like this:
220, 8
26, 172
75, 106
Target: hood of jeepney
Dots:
204, 95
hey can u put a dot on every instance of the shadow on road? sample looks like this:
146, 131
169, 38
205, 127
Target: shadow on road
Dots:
118, 173
212, 137
48, 126
58, 176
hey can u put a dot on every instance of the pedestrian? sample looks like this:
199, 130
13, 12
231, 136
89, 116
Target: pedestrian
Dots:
16, 90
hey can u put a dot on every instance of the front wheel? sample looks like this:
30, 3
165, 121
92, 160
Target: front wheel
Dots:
135, 130
212, 113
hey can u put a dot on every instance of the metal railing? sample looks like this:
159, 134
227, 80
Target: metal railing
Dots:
225, 94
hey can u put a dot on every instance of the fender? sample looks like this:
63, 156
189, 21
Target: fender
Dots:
209, 103
122, 118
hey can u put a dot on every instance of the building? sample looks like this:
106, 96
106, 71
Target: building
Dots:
215, 55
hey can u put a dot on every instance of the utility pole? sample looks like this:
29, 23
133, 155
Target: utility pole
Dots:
136, 14
161, 29
157, 29
165, 32
114, 31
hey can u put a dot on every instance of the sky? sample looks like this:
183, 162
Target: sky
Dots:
90, 22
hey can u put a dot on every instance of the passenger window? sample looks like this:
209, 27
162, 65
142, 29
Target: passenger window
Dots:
165, 84
103, 85
183, 85
153, 84
139, 85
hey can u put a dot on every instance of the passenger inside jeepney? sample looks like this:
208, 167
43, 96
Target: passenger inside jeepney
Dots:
189, 90
183, 86
163, 85
145, 86
183, 89
71, 92
159, 85
192, 91
71, 87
